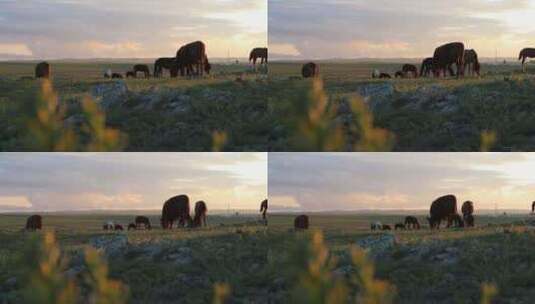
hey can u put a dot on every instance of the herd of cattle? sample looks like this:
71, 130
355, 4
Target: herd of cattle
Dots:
175, 211
443, 208
190, 60
444, 57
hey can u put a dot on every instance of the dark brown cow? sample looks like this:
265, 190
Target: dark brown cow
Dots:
34, 222
301, 222
167, 63
467, 208
525, 54
199, 219
263, 209
399, 74
471, 61
142, 221
411, 222
132, 226
256, 53
384, 76
130, 74
310, 70
176, 208
410, 68
118, 227
441, 209
427, 67
142, 68
191, 58
456, 220
43, 70
447, 55
399, 226
386, 227
116, 76
469, 220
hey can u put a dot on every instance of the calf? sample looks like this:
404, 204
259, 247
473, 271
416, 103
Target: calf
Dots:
412, 222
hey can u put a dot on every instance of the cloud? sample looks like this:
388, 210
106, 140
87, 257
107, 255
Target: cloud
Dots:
75, 181
349, 181
95, 28
15, 202
388, 28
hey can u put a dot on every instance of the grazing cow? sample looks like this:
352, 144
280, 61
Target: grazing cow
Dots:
399, 74
167, 63
310, 70
116, 76
263, 210
34, 222
386, 227
384, 76
470, 61
43, 70
256, 53
447, 55
192, 58
467, 208
524, 54
130, 74
441, 209
410, 68
469, 220
142, 220
301, 222
176, 208
399, 226
108, 225
376, 226
132, 226
411, 222
142, 68
199, 219
118, 227
456, 220
427, 67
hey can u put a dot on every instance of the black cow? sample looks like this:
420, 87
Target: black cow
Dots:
176, 208
441, 209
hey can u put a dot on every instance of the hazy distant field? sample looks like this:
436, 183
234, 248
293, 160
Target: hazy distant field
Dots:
259, 263
423, 114
183, 112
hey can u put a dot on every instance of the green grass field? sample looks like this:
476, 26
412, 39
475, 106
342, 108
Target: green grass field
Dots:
423, 114
151, 114
266, 264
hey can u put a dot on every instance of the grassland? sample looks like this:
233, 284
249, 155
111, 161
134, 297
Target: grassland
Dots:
491, 112
151, 114
266, 264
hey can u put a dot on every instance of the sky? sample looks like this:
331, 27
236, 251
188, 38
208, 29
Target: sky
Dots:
326, 29
57, 29
130, 181
382, 181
